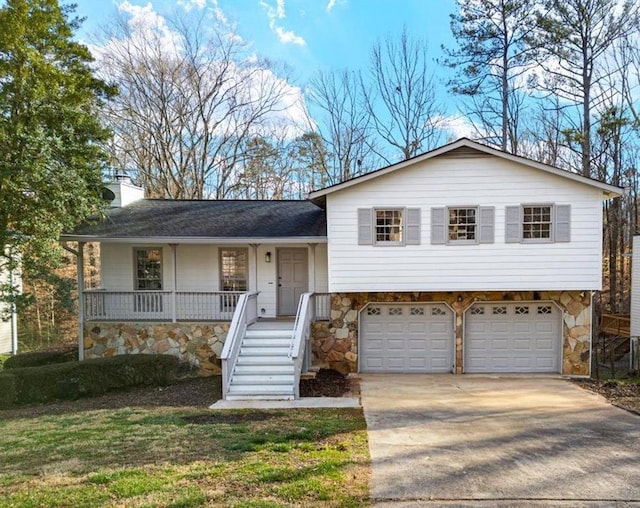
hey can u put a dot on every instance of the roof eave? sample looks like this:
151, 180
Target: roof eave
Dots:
194, 240
609, 191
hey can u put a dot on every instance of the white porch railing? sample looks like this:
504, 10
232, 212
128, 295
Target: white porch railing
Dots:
246, 313
300, 350
100, 305
322, 306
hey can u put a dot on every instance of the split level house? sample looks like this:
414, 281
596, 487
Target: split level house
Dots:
464, 259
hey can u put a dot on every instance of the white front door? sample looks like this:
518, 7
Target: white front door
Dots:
293, 275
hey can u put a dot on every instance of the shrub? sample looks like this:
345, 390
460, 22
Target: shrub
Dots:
91, 377
7, 390
39, 358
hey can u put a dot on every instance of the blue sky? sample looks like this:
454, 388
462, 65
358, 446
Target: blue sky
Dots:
309, 35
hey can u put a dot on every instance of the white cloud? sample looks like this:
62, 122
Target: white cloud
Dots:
458, 125
289, 37
331, 5
277, 13
187, 5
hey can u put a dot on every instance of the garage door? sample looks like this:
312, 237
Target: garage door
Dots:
512, 337
406, 338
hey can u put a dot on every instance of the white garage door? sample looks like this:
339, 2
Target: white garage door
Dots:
512, 337
415, 337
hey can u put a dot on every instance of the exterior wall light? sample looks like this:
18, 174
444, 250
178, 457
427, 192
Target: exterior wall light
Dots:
267, 257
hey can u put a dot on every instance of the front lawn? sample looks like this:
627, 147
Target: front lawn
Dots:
182, 457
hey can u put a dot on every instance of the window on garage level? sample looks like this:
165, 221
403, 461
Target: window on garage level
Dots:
462, 224
388, 226
538, 223
455, 225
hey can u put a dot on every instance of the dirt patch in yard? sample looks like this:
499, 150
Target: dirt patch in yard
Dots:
329, 383
620, 392
189, 393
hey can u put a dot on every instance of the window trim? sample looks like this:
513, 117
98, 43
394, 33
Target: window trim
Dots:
552, 223
220, 267
476, 240
403, 226
135, 266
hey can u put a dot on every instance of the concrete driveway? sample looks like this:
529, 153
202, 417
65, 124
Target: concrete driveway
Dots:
450, 440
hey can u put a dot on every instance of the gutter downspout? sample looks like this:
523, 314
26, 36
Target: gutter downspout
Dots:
80, 271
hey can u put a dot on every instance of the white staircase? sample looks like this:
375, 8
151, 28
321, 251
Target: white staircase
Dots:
264, 370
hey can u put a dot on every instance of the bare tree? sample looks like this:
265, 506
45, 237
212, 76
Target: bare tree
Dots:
343, 124
400, 96
189, 101
493, 53
574, 38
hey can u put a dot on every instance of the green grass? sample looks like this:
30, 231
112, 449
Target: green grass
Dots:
185, 458
3, 358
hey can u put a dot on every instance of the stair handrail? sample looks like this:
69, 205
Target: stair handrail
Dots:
300, 338
246, 313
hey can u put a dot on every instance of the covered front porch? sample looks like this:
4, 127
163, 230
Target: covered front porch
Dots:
173, 282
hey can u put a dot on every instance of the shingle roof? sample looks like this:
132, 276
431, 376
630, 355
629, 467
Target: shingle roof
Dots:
157, 218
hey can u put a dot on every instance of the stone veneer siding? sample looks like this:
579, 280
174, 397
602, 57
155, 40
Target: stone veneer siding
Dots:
198, 344
335, 343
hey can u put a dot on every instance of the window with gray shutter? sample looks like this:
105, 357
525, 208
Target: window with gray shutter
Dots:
513, 227
413, 226
487, 224
438, 226
562, 223
365, 228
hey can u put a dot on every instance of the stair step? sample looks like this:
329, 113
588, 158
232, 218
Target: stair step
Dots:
264, 351
266, 368
269, 333
266, 342
262, 379
260, 397
283, 361
257, 390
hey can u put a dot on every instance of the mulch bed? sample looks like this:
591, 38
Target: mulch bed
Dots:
620, 393
188, 393
329, 383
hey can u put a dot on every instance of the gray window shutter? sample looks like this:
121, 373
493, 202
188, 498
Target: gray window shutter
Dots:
487, 224
365, 226
438, 226
513, 225
563, 223
412, 236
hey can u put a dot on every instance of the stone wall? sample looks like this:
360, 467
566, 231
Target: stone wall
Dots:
335, 343
198, 344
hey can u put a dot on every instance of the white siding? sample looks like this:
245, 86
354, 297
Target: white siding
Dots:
5, 336
9, 327
486, 181
198, 270
635, 288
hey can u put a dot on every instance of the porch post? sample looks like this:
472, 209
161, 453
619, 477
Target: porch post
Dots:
174, 298
312, 256
80, 267
254, 279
